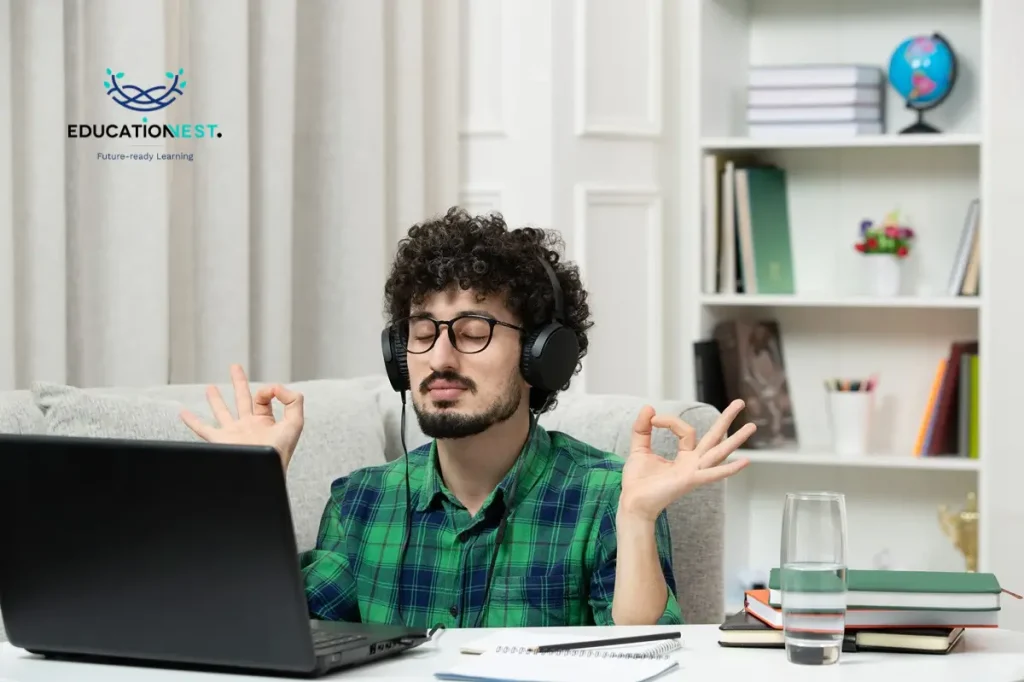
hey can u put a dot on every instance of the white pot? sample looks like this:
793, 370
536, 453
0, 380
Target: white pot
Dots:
885, 274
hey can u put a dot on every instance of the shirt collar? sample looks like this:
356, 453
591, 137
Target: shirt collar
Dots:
529, 467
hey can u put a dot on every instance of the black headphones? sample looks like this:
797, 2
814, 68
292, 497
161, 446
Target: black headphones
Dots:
550, 354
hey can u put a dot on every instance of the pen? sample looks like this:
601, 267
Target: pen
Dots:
872, 382
605, 642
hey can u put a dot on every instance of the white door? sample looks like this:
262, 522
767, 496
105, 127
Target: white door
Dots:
564, 126
614, 178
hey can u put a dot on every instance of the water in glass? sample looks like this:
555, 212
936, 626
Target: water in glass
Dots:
813, 577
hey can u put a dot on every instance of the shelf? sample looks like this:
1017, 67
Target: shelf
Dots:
862, 142
787, 301
825, 459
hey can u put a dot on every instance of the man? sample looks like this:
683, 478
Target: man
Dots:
495, 522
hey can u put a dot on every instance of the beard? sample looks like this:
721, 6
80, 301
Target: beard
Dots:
452, 425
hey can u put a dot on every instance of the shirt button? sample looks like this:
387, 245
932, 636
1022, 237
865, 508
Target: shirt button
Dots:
454, 611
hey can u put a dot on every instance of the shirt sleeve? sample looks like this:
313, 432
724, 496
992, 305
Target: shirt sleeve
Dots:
327, 575
602, 584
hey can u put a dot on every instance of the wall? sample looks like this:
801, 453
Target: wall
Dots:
999, 486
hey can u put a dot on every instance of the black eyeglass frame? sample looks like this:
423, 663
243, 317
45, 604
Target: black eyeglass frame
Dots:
403, 324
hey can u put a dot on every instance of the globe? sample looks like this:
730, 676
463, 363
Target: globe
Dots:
922, 70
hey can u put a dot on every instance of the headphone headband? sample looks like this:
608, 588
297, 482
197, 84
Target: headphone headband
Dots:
556, 289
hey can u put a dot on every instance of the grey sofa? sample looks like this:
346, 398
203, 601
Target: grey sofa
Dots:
354, 423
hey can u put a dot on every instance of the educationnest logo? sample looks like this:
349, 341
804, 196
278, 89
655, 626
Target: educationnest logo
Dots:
144, 99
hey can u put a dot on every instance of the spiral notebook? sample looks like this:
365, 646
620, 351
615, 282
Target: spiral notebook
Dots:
507, 657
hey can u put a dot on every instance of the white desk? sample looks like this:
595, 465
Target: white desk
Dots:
989, 656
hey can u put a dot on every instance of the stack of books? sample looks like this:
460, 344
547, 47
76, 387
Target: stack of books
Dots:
836, 100
908, 611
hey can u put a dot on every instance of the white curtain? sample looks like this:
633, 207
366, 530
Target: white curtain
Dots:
338, 123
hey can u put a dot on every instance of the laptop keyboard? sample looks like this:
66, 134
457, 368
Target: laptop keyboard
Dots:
325, 639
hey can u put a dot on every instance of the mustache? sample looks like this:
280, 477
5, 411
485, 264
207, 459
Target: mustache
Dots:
447, 375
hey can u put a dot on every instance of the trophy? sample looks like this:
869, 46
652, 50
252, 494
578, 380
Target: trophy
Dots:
962, 528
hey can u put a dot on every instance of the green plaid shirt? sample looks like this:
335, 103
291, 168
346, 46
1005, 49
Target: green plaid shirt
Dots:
556, 565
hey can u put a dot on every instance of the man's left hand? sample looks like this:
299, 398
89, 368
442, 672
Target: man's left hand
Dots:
651, 482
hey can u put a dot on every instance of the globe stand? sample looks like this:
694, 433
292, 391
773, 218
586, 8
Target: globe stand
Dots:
920, 126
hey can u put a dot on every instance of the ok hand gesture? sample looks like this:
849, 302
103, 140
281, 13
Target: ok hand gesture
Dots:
255, 424
651, 482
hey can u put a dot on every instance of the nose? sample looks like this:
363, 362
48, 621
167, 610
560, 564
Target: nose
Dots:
443, 355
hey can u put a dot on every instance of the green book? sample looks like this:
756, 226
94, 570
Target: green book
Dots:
769, 230
931, 590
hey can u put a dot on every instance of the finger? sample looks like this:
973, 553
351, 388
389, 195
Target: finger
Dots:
219, 407
198, 426
728, 446
687, 434
641, 437
243, 394
705, 476
262, 402
293, 403
720, 428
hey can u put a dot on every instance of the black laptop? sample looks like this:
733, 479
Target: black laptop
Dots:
163, 553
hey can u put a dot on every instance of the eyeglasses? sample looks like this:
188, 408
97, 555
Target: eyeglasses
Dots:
467, 333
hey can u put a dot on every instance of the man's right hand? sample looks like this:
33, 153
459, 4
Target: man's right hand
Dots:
255, 424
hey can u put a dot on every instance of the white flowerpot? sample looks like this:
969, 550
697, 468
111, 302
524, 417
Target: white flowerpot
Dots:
885, 274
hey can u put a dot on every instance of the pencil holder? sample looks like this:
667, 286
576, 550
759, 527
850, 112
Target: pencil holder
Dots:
850, 417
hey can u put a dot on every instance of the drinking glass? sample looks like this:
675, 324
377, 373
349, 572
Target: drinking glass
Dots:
813, 577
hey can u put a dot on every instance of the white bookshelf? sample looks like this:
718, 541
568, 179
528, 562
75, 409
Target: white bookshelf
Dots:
832, 327
813, 301
824, 458
741, 143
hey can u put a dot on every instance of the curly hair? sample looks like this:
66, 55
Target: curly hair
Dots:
481, 254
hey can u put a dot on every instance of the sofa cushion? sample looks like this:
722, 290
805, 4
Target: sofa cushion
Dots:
343, 429
18, 413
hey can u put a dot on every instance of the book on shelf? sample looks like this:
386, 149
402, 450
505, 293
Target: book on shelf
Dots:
815, 100
709, 376
803, 131
744, 360
769, 98
949, 425
837, 114
815, 76
744, 630
965, 274
747, 242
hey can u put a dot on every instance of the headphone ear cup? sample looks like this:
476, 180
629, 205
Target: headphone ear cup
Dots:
395, 363
528, 362
549, 357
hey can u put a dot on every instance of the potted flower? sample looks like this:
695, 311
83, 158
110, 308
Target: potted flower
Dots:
888, 244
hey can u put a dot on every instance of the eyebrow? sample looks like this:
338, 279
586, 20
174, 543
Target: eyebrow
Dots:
474, 311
